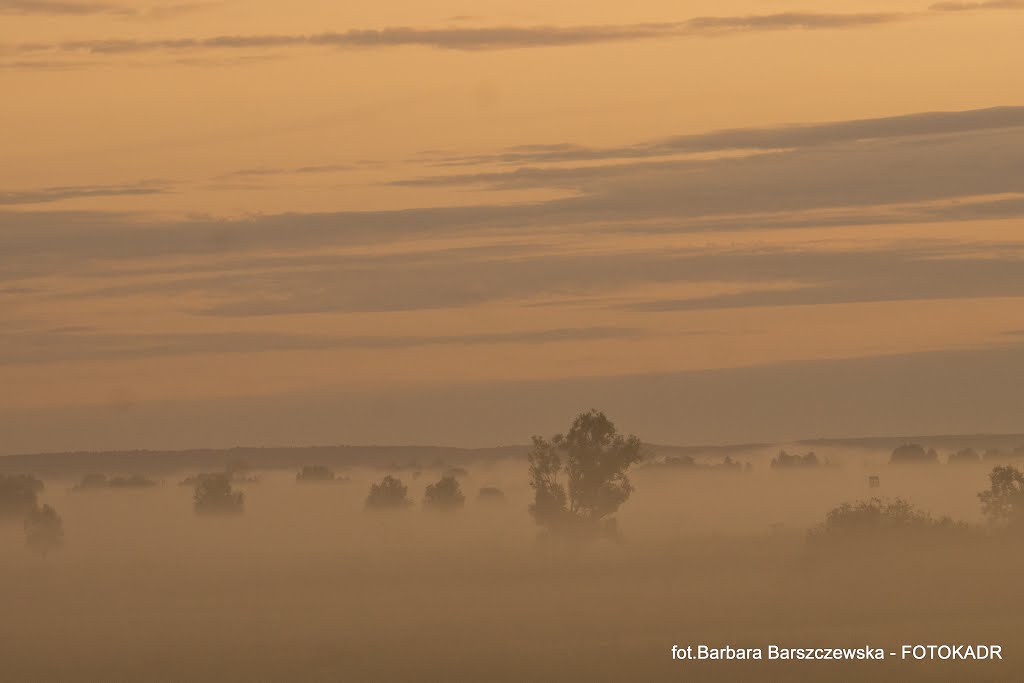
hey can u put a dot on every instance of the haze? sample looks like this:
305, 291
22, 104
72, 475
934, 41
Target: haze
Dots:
234, 223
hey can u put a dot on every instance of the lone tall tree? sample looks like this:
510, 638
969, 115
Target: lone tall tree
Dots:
1003, 501
595, 459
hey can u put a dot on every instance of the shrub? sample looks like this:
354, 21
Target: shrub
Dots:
445, 495
389, 494
786, 461
313, 473
44, 530
877, 519
966, 456
214, 496
913, 454
490, 494
19, 495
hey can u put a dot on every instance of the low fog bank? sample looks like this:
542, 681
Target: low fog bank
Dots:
304, 582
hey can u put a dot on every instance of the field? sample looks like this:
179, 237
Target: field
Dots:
307, 585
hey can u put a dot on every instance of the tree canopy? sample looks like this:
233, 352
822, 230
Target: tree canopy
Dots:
388, 494
1003, 501
445, 495
594, 459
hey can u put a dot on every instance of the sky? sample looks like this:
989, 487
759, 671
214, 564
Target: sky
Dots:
246, 223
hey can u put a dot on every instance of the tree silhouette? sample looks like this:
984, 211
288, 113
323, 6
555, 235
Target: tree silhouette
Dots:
44, 530
595, 459
18, 495
445, 495
389, 494
214, 496
1003, 501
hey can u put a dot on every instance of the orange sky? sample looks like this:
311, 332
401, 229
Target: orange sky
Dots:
227, 208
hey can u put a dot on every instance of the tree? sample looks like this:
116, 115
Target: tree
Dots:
445, 495
595, 459
1003, 502
44, 530
389, 494
19, 495
214, 495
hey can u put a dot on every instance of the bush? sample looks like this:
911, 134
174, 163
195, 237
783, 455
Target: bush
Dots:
91, 482
913, 454
786, 461
966, 456
877, 519
445, 495
19, 495
389, 494
214, 496
312, 473
44, 530
491, 494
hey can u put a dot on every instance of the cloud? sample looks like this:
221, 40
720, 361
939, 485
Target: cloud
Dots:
77, 343
57, 7
480, 38
299, 170
773, 138
46, 195
970, 6
962, 391
918, 168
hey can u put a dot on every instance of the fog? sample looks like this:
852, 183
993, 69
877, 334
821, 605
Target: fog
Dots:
308, 585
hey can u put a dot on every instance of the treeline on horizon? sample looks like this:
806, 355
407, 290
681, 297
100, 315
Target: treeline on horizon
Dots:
164, 463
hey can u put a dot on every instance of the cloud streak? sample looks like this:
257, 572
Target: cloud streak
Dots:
762, 139
973, 6
47, 195
79, 9
75, 344
480, 38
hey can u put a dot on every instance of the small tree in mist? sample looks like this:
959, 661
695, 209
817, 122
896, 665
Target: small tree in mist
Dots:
595, 460
388, 494
444, 496
44, 530
1003, 501
214, 496
19, 495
